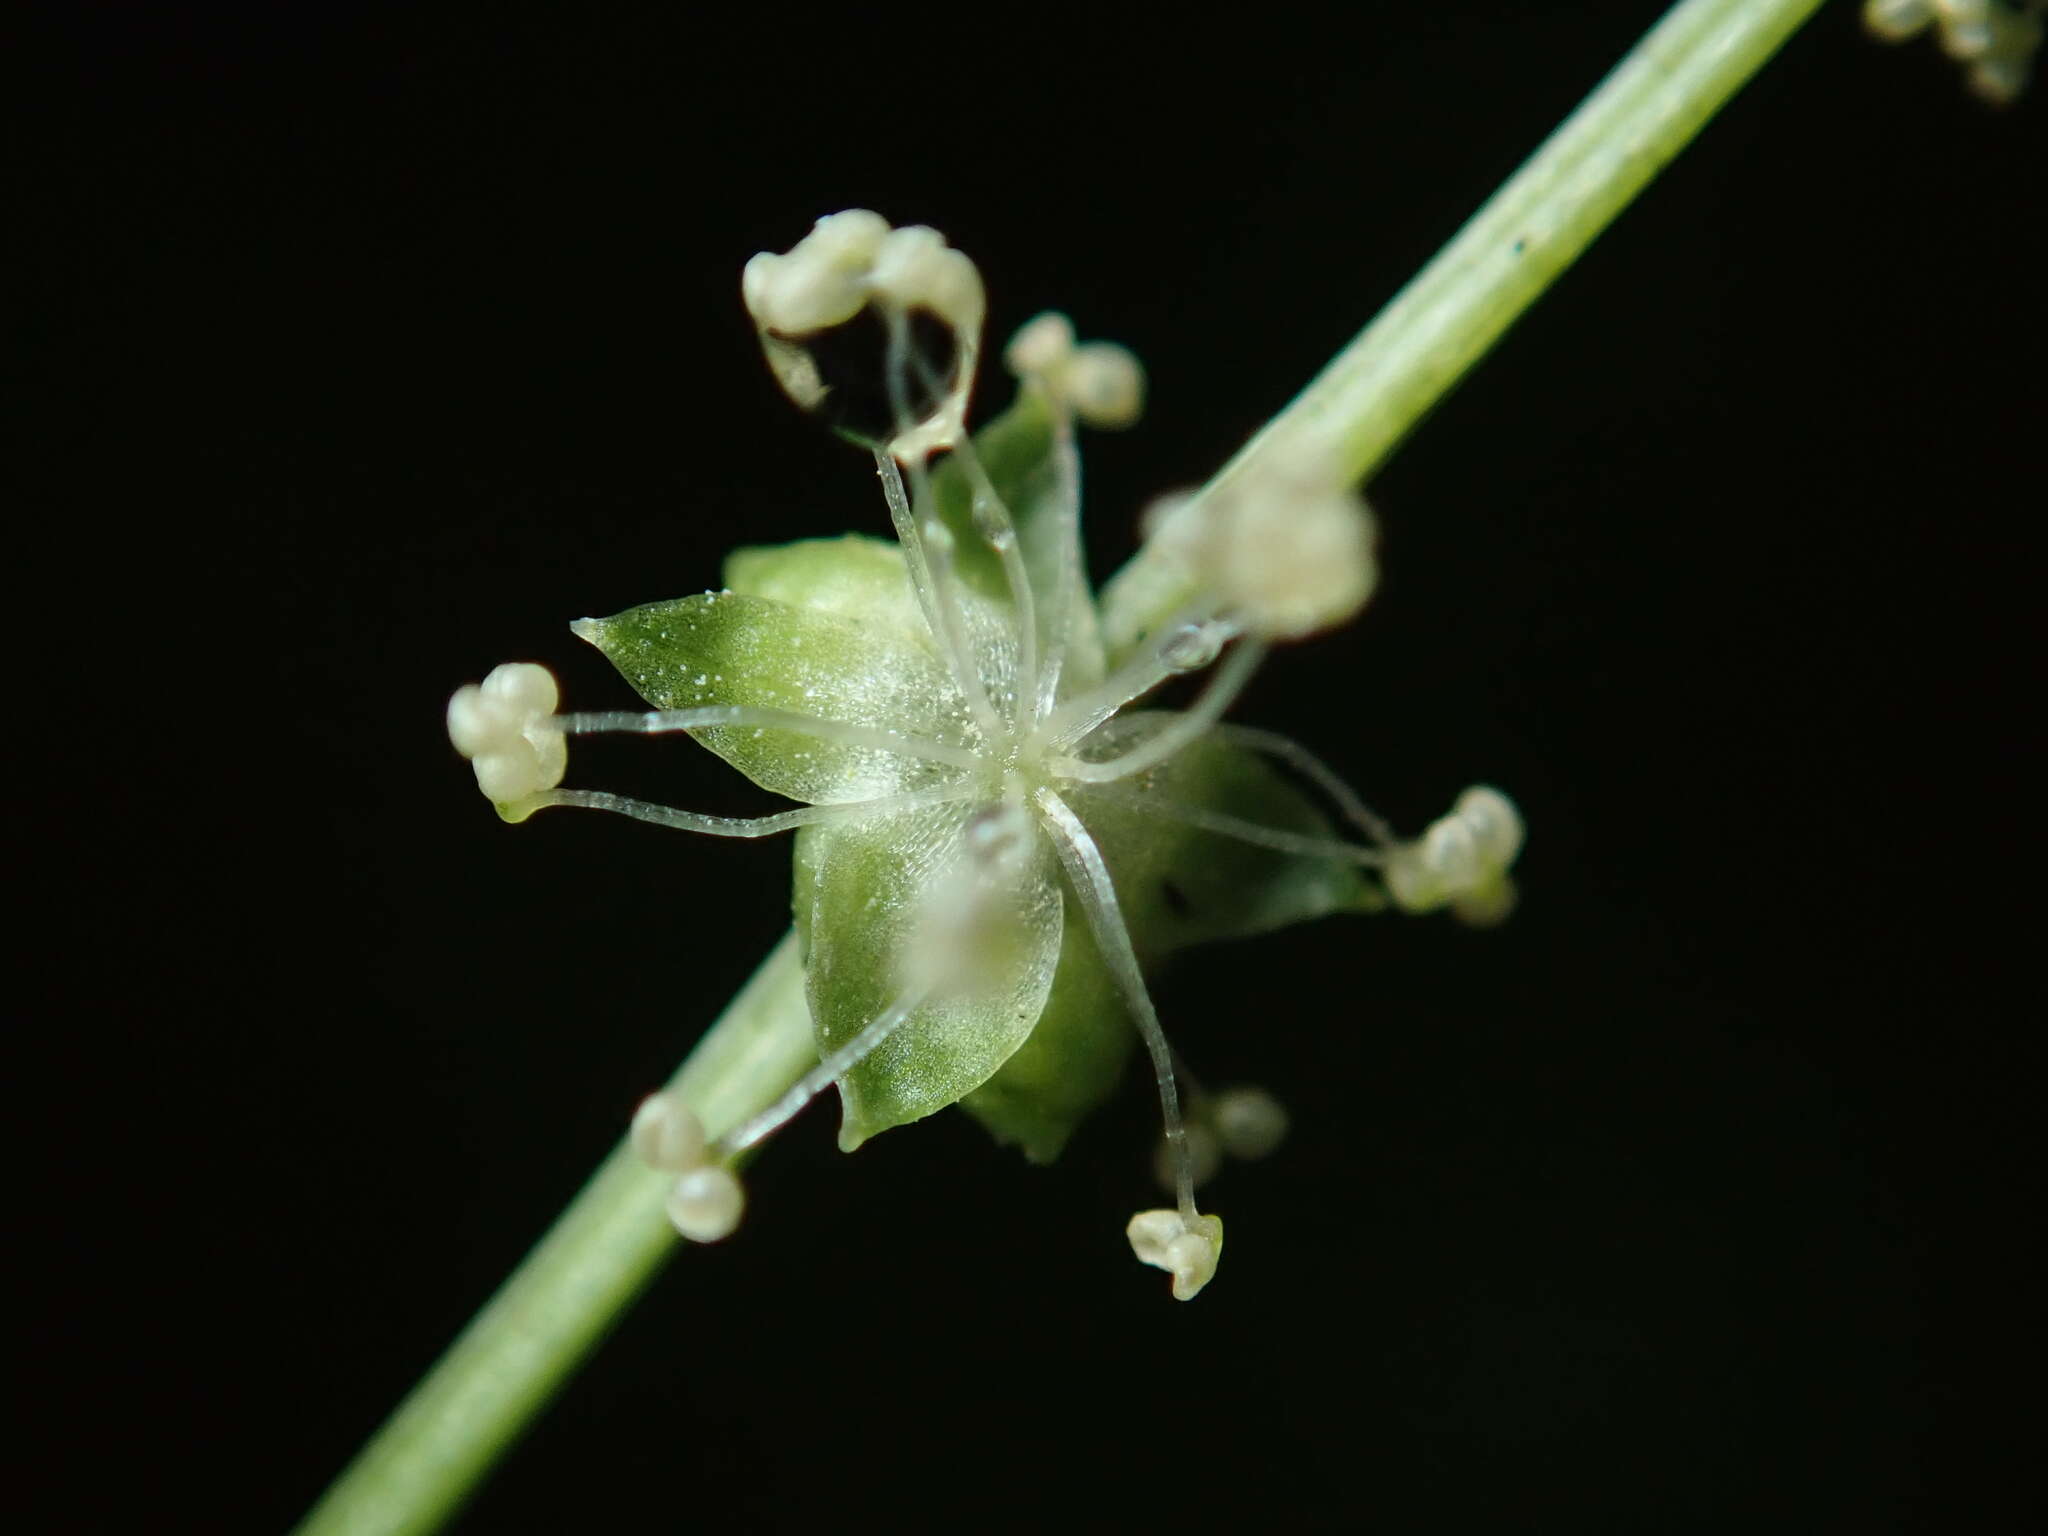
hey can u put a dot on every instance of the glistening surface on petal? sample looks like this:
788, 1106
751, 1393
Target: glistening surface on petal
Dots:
726, 648
861, 892
1071, 1062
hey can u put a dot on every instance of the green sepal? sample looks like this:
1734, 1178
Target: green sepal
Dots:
860, 893
854, 576
731, 648
1072, 1059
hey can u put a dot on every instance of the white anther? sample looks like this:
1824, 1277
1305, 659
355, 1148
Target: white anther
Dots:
1101, 383
916, 269
500, 726
1994, 43
1105, 383
1249, 1122
847, 262
1165, 1241
1493, 821
666, 1134
706, 1204
1896, 20
1462, 860
1041, 346
823, 281
1289, 553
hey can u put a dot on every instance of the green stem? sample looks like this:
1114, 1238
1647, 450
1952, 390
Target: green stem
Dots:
1371, 395
599, 1255
605, 1247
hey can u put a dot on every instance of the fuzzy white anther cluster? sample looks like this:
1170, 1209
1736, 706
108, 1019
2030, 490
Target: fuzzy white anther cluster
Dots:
848, 262
853, 259
1462, 860
500, 725
1165, 1240
707, 1200
1102, 383
1288, 553
1994, 43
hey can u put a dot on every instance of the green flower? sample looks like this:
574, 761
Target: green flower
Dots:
994, 844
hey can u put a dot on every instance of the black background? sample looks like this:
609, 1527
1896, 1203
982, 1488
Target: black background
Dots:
362, 351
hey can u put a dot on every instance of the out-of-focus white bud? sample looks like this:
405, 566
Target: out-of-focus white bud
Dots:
1288, 553
848, 263
1102, 383
1249, 1122
1105, 383
500, 726
707, 1203
666, 1134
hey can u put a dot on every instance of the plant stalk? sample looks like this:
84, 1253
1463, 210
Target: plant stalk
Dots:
596, 1259
1368, 398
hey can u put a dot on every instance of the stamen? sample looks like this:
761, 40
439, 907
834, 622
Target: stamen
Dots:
1192, 640
739, 826
1287, 554
924, 541
1318, 772
1101, 382
666, 1134
976, 666
1462, 860
707, 1203
1065, 519
1186, 1247
1092, 887
993, 522
713, 716
504, 727
1226, 825
1179, 732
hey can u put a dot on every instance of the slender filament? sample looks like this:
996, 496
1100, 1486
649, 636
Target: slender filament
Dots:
1089, 877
